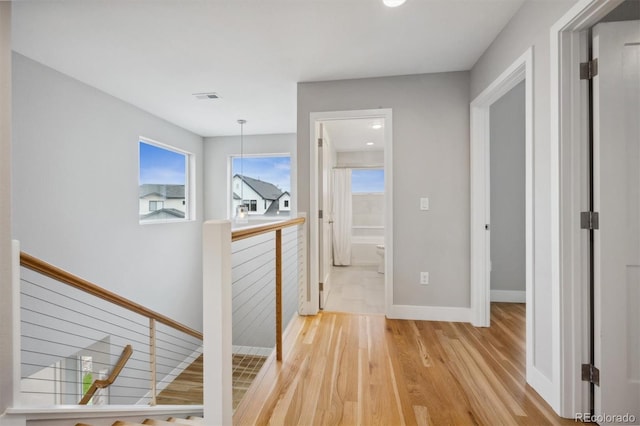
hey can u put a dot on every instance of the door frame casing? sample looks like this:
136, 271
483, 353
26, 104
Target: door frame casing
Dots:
569, 140
520, 70
315, 117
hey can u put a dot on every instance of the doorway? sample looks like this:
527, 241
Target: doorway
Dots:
507, 197
351, 248
520, 72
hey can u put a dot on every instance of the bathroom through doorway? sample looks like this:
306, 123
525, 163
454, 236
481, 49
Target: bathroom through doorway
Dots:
353, 212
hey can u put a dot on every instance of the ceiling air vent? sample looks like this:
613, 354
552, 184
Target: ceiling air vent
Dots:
210, 95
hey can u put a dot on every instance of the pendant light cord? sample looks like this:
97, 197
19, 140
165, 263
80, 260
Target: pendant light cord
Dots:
241, 122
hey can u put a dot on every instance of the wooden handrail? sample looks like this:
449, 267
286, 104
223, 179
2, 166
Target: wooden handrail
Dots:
101, 384
241, 234
44, 268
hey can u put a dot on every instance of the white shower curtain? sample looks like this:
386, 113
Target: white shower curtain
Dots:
342, 216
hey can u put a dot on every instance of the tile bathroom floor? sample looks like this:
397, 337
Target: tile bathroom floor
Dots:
356, 290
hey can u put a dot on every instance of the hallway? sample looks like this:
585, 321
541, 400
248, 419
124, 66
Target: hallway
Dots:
365, 369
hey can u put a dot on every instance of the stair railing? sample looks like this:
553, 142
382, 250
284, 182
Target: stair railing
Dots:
103, 384
64, 316
270, 256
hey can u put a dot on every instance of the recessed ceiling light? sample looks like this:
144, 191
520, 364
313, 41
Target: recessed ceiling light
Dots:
208, 95
393, 3
370, 143
376, 126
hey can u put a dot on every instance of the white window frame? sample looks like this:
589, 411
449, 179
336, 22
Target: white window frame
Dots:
231, 174
189, 189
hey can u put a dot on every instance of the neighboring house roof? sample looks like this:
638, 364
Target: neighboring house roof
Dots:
284, 193
273, 210
162, 190
163, 214
236, 196
266, 190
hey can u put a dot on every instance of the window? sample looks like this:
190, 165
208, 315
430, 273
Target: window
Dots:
259, 182
367, 188
163, 183
252, 205
367, 180
156, 205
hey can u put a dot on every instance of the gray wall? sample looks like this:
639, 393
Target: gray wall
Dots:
218, 150
530, 27
507, 191
6, 304
430, 159
75, 192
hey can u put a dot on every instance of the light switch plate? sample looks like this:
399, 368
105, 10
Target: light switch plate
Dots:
424, 278
424, 203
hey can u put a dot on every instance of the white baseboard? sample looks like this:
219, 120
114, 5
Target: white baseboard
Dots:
509, 296
250, 350
544, 386
430, 313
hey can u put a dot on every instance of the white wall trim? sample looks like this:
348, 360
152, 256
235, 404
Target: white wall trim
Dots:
429, 313
568, 395
509, 296
93, 413
541, 383
314, 118
521, 69
216, 296
251, 350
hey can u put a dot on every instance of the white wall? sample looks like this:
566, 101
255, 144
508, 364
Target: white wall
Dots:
6, 308
430, 159
218, 150
507, 132
360, 158
530, 26
75, 185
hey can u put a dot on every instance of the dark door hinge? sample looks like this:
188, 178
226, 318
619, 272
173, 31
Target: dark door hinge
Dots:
590, 374
320, 214
321, 285
588, 69
589, 220
319, 142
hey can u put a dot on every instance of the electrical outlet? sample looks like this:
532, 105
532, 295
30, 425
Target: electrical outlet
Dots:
424, 278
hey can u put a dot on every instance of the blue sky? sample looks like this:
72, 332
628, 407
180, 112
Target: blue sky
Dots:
275, 170
159, 165
367, 180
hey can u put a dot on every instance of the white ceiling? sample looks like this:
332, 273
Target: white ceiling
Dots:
354, 134
156, 53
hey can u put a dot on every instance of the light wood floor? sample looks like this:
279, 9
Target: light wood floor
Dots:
366, 370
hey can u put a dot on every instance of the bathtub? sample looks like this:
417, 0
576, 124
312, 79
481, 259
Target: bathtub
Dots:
363, 245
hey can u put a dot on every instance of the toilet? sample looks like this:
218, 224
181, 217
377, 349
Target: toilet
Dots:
380, 253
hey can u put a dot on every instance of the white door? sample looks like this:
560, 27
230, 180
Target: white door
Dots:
325, 223
616, 115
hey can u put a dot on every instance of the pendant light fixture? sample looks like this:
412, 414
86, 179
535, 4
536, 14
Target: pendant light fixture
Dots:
242, 213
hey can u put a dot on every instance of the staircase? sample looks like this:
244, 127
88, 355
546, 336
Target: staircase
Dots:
186, 389
171, 421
